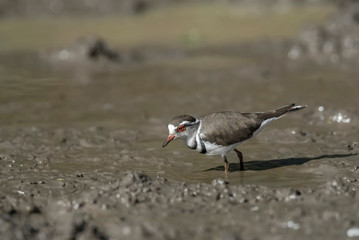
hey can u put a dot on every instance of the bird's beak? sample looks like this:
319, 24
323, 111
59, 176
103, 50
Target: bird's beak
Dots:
168, 140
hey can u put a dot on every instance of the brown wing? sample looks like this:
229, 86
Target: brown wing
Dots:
227, 128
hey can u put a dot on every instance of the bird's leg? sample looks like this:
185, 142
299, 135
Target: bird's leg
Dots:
226, 164
240, 156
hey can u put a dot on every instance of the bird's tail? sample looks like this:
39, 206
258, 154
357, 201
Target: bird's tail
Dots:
281, 111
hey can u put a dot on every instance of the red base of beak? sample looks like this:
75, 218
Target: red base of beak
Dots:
168, 140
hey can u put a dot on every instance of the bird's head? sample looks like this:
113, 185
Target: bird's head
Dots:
181, 127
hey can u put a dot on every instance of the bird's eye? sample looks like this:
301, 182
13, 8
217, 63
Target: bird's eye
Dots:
181, 128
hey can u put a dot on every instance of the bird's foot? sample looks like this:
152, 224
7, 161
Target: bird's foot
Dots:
241, 167
226, 167
240, 157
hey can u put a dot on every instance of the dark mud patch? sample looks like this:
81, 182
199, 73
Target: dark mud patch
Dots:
78, 184
134, 205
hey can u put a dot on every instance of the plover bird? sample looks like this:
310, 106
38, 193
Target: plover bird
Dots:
221, 132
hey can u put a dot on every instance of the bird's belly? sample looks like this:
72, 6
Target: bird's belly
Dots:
215, 149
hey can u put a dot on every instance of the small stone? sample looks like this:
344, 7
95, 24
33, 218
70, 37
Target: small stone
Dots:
353, 232
255, 208
292, 225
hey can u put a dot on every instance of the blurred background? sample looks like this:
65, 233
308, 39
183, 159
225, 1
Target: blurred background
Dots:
124, 62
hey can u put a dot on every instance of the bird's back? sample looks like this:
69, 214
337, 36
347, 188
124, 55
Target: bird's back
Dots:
227, 128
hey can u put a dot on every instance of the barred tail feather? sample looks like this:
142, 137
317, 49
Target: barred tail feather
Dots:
281, 111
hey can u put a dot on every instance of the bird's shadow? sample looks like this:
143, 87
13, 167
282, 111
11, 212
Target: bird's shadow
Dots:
276, 163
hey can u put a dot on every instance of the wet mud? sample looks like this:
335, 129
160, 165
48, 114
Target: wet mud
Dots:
81, 156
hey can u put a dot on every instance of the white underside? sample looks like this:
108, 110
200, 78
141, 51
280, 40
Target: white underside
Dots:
264, 123
215, 149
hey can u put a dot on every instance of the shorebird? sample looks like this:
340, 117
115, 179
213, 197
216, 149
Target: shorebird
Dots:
221, 132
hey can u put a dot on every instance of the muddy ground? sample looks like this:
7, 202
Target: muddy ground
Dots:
81, 135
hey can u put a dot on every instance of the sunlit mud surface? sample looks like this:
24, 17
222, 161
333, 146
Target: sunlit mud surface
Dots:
81, 156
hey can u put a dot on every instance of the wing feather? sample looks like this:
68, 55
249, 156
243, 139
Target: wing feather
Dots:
227, 128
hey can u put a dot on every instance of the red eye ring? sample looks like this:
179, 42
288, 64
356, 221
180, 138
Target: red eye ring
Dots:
181, 128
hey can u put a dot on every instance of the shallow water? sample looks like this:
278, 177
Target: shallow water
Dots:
132, 107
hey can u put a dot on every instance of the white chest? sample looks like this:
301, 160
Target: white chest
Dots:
215, 149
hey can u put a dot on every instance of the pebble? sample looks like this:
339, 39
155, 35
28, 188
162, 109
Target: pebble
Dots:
353, 232
293, 225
